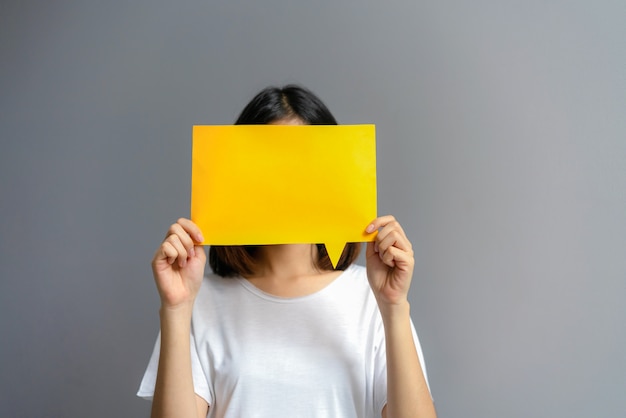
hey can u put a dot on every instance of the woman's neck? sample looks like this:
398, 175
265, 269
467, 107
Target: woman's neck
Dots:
290, 271
287, 261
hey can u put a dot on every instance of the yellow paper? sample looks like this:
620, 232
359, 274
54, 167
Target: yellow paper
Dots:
284, 184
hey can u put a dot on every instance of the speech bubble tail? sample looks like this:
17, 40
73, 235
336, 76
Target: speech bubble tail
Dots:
334, 251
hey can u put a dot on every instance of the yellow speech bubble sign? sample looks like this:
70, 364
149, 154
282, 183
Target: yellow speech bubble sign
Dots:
284, 184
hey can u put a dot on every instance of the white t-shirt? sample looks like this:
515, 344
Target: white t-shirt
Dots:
258, 355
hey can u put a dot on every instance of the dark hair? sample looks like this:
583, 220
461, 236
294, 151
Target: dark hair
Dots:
270, 105
291, 101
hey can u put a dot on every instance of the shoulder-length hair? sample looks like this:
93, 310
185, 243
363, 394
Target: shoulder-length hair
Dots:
270, 105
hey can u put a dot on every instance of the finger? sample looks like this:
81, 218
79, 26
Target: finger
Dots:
387, 257
392, 237
165, 252
395, 257
386, 224
168, 252
393, 225
181, 256
185, 238
191, 228
379, 223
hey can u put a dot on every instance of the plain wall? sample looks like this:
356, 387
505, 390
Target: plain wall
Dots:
501, 148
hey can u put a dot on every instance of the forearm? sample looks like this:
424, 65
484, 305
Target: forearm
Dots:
174, 393
407, 391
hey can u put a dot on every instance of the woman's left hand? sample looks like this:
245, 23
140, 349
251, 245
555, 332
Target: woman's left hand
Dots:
389, 262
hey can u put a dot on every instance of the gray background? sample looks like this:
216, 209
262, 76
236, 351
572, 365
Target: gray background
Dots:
501, 146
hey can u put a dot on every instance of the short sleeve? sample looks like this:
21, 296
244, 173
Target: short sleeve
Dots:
200, 383
380, 366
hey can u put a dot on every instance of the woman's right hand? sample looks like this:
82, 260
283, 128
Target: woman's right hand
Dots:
178, 265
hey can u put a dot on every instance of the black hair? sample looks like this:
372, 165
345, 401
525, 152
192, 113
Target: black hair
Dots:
275, 103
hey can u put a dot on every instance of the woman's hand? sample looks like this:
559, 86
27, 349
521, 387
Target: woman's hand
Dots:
389, 262
178, 265
389, 270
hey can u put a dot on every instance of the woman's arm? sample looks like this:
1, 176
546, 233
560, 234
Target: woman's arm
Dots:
407, 391
178, 268
174, 392
389, 270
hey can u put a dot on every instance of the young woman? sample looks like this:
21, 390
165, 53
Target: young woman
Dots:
274, 331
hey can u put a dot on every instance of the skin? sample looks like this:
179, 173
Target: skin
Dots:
390, 262
287, 271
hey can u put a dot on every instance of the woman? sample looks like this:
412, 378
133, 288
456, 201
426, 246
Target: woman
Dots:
275, 331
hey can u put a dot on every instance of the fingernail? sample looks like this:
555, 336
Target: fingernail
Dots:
370, 228
200, 238
192, 252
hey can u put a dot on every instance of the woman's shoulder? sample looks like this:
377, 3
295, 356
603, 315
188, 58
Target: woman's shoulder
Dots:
355, 272
354, 281
212, 281
216, 293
